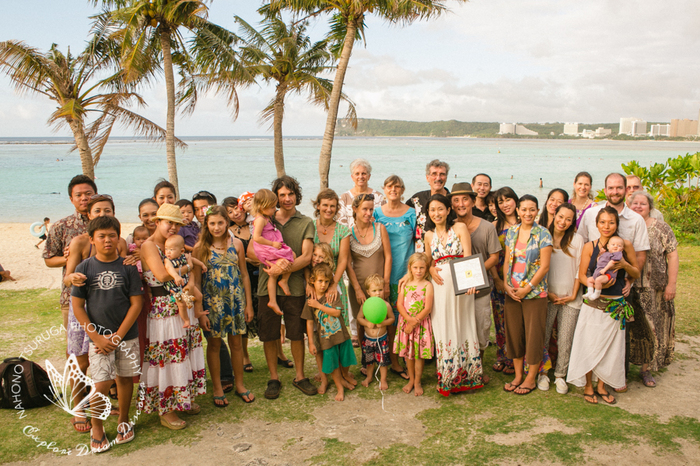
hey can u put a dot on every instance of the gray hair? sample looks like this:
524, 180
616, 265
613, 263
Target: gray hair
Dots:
437, 164
360, 163
650, 198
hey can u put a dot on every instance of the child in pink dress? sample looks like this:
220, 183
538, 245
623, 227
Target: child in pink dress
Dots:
414, 333
268, 244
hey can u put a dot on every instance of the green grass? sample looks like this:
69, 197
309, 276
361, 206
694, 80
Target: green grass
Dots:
462, 428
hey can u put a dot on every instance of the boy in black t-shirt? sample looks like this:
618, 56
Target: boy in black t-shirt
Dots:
111, 292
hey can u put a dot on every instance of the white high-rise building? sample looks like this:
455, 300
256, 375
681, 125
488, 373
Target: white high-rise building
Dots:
507, 128
660, 130
633, 126
571, 129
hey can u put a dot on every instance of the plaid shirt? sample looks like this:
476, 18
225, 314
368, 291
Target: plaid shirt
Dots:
59, 237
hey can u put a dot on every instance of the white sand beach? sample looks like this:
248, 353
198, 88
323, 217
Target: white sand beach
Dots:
19, 256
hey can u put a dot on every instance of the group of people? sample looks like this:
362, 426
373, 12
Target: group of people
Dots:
256, 266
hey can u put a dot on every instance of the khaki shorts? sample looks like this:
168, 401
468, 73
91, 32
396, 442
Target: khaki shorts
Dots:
122, 362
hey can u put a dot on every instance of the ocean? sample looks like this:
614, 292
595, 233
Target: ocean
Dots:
34, 172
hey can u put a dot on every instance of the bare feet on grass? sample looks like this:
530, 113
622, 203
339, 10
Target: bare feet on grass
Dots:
341, 394
323, 388
383, 385
419, 389
347, 384
367, 381
408, 388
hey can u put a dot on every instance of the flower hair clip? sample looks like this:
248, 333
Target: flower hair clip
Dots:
210, 210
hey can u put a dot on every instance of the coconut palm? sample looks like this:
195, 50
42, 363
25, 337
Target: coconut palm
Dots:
285, 56
73, 84
347, 26
152, 34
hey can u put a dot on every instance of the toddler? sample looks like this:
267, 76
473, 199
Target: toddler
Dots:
330, 333
139, 236
414, 336
603, 275
268, 244
375, 346
182, 288
245, 203
190, 230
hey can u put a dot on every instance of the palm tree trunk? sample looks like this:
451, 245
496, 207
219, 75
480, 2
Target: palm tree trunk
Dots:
324, 161
83, 148
278, 117
170, 119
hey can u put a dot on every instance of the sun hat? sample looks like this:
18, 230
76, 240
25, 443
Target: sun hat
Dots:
169, 212
462, 188
244, 197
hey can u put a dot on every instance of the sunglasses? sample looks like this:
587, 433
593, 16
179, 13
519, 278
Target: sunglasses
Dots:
101, 197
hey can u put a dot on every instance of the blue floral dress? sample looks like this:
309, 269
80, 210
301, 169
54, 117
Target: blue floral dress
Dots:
223, 294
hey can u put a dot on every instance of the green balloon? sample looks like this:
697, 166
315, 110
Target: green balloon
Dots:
374, 310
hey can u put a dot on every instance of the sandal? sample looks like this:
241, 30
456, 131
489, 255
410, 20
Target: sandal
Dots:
172, 425
355, 342
509, 370
194, 409
606, 394
647, 379
84, 422
527, 391
512, 387
228, 387
402, 373
245, 395
113, 395
621, 390
285, 363
124, 434
590, 398
499, 366
248, 367
100, 444
222, 399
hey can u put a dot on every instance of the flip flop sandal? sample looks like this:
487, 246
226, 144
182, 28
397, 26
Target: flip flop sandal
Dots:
400, 373
124, 434
245, 394
228, 388
509, 370
529, 390
220, 398
498, 367
101, 448
603, 395
248, 367
86, 422
647, 379
590, 398
512, 387
113, 395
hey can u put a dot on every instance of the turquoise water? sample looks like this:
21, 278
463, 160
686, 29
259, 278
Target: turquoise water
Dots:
33, 183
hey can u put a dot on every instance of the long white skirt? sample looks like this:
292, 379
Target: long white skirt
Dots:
456, 338
599, 346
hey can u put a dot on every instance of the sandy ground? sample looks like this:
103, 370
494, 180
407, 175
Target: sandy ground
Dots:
19, 256
256, 442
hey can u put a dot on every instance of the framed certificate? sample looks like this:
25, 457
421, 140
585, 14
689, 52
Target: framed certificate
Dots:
469, 272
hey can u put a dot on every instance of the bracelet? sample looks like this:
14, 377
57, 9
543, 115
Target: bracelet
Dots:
531, 285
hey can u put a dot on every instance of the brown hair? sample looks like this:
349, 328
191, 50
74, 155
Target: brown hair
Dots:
329, 194
415, 257
328, 252
262, 200
359, 199
206, 239
322, 269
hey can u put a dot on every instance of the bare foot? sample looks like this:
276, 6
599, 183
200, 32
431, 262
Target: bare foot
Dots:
323, 388
340, 396
367, 381
317, 378
186, 323
275, 308
408, 388
350, 379
285, 287
347, 384
419, 389
383, 385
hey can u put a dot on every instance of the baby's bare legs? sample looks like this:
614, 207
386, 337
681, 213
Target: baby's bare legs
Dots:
370, 374
419, 373
182, 310
411, 366
338, 380
383, 384
283, 282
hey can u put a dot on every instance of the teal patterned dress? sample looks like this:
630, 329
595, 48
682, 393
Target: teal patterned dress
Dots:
341, 232
223, 294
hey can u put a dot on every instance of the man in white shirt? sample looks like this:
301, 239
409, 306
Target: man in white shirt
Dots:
632, 226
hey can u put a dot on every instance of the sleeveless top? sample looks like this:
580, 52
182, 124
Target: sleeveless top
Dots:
367, 259
616, 288
450, 250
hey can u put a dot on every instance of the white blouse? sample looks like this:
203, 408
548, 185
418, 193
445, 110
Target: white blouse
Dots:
563, 271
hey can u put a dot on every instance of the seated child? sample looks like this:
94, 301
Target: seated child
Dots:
112, 294
268, 244
140, 235
182, 288
603, 275
330, 334
414, 332
190, 230
375, 346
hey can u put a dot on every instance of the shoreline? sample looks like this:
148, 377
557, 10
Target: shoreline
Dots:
25, 262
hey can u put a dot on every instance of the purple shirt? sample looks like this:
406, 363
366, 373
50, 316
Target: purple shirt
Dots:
190, 233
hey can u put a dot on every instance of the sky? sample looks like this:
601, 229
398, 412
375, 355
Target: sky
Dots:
486, 60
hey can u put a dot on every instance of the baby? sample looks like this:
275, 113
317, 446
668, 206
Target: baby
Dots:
603, 275
375, 346
140, 235
181, 288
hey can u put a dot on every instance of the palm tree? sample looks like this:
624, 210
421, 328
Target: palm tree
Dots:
151, 34
71, 82
285, 55
347, 26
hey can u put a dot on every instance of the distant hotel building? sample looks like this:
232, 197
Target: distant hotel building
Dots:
514, 128
633, 126
660, 130
683, 128
571, 129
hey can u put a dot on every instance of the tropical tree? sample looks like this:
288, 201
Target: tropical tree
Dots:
347, 26
285, 56
74, 84
151, 35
